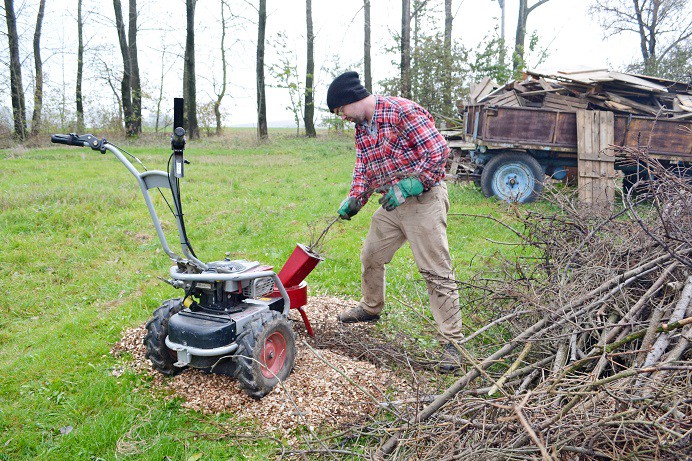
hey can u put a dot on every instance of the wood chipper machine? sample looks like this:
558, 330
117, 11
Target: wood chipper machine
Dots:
233, 316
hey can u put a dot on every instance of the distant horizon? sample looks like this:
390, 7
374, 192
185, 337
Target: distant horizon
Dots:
270, 124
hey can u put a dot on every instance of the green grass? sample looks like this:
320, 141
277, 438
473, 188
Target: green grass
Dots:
80, 259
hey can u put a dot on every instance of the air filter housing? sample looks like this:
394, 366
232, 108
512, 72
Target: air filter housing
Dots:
258, 287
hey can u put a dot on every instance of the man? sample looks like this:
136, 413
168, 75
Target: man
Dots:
399, 153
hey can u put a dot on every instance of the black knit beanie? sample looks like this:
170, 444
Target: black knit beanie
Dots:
345, 89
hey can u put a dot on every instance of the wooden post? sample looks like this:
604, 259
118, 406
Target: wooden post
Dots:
595, 135
454, 166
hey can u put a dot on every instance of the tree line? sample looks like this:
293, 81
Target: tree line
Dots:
433, 69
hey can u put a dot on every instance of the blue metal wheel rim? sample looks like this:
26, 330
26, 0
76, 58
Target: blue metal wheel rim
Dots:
513, 182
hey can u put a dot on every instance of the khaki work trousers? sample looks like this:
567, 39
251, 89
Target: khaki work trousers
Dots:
422, 221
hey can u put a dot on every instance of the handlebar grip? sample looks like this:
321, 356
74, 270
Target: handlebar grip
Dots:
69, 139
60, 138
73, 139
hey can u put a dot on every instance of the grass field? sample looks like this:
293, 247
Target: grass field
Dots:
79, 261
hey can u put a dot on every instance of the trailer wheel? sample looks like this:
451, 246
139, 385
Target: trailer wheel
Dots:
161, 356
266, 354
513, 178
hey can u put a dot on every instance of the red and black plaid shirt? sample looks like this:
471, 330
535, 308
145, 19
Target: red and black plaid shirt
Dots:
406, 144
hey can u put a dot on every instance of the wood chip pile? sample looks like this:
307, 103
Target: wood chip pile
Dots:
594, 90
314, 397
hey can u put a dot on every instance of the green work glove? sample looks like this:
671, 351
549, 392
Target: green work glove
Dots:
396, 195
349, 208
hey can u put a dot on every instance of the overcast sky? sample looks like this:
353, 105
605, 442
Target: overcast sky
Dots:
574, 40
572, 37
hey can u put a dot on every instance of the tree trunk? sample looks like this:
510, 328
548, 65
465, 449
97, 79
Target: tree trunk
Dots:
134, 69
80, 68
38, 64
415, 72
222, 92
189, 77
502, 19
642, 31
447, 96
309, 75
406, 48
160, 97
503, 55
647, 32
261, 102
17, 89
125, 85
655, 6
520, 37
367, 62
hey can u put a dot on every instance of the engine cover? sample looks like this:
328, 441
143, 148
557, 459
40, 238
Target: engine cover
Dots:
201, 330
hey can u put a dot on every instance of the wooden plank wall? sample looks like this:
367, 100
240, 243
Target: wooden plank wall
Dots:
596, 162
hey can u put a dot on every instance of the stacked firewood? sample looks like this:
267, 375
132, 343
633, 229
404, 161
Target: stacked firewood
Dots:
595, 90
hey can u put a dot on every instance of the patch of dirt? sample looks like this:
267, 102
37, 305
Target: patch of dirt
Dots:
315, 395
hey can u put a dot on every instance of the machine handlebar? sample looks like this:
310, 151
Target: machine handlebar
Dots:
73, 139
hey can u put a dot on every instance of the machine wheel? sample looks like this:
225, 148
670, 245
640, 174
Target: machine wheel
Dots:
162, 357
266, 354
513, 178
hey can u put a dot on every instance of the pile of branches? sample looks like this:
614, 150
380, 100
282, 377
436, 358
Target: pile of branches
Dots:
588, 352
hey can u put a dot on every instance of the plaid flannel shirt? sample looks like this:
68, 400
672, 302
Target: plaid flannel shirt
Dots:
406, 144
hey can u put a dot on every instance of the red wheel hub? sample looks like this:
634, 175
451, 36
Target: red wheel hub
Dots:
273, 355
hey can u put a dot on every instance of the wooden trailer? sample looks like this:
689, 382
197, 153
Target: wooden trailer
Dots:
514, 137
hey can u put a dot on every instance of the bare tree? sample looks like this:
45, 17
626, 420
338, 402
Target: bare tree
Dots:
80, 68
134, 69
108, 75
662, 25
262, 132
130, 83
189, 76
309, 114
367, 61
38, 65
222, 91
405, 48
502, 19
447, 96
125, 83
284, 73
405, 66
520, 37
17, 89
503, 54
159, 99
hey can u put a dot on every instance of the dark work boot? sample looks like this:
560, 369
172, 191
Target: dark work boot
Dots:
357, 314
450, 360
